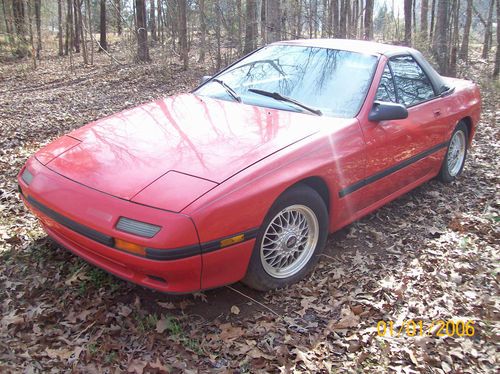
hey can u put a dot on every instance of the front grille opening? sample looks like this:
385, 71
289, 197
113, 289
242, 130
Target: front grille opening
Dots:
158, 279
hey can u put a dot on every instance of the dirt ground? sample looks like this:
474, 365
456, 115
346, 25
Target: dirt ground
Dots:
431, 255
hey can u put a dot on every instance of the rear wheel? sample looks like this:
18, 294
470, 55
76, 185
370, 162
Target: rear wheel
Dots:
454, 160
292, 236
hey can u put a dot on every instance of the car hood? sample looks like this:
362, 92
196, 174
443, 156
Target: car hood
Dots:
194, 141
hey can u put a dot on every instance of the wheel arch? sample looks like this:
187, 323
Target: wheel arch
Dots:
319, 185
470, 129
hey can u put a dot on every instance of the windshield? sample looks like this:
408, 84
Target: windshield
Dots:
333, 81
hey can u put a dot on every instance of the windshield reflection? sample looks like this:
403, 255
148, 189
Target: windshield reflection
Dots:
334, 81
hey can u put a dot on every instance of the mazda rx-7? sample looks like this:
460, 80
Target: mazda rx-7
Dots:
243, 178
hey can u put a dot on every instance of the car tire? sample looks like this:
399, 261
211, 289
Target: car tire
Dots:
454, 160
290, 240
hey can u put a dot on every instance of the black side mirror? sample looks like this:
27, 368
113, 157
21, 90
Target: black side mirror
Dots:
205, 78
383, 111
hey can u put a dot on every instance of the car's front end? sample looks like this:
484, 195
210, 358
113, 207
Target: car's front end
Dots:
114, 234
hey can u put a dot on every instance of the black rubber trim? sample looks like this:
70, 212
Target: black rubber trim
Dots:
75, 226
172, 254
193, 250
215, 244
364, 182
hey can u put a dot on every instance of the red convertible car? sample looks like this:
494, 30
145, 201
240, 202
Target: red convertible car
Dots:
244, 177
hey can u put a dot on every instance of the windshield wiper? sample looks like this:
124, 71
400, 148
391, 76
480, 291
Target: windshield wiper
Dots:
279, 97
228, 89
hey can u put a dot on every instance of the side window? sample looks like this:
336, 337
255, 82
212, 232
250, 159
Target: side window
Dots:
412, 84
385, 91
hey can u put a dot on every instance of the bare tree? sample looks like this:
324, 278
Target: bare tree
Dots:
440, 45
496, 70
152, 20
251, 26
8, 23
424, 14
273, 21
408, 14
60, 27
90, 28
103, 43
433, 16
487, 31
203, 30
452, 69
76, 14
183, 32
369, 20
118, 8
68, 43
342, 32
142, 33
464, 49
79, 20
334, 9
38, 25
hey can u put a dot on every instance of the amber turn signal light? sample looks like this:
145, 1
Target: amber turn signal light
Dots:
232, 240
130, 247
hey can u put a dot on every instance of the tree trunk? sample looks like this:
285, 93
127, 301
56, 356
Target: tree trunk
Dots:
142, 33
19, 19
8, 24
152, 20
487, 31
118, 8
30, 32
424, 14
38, 24
440, 45
452, 70
203, 30
273, 21
79, 19
77, 14
183, 32
90, 29
159, 23
261, 20
334, 9
433, 16
496, 70
102, 27
464, 49
250, 26
70, 36
343, 21
218, 57
239, 17
408, 14
369, 20
298, 32
59, 25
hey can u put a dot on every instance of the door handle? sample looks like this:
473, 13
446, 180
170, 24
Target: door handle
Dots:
437, 113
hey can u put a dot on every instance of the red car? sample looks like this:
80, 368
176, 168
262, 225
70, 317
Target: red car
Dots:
244, 177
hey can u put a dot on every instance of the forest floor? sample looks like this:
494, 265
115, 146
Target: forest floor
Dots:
431, 255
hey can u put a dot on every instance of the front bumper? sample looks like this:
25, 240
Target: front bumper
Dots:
89, 232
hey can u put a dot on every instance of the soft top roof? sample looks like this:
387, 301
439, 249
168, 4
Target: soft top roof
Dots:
374, 48
361, 46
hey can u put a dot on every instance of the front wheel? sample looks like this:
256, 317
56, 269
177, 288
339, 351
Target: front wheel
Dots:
292, 236
454, 160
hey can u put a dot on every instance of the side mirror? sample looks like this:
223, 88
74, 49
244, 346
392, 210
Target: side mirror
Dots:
205, 78
383, 111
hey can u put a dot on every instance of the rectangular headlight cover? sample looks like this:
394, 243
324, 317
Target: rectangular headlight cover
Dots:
26, 176
146, 230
